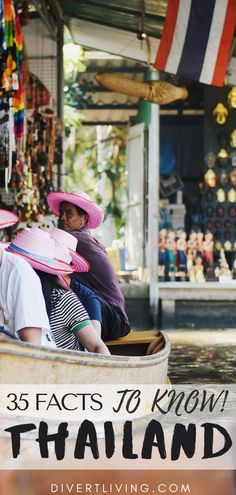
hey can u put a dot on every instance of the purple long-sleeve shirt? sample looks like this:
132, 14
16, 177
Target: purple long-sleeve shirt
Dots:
101, 276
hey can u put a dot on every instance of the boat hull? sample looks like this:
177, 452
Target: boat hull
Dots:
23, 363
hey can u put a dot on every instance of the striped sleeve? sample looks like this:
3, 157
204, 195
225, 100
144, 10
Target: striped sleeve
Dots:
66, 316
70, 310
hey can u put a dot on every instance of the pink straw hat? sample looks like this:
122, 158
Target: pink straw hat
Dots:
77, 198
38, 248
68, 241
7, 218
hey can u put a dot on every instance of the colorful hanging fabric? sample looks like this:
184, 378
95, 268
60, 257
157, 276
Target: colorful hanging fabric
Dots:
10, 75
197, 39
2, 42
18, 97
11, 61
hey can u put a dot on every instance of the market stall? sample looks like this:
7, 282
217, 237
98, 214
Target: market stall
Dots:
30, 129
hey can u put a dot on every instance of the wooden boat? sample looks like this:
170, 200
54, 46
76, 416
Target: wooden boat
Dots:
139, 358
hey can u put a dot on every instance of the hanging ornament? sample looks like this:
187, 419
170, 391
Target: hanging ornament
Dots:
155, 91
210, 159
220, 113
223, 178
233, 138
220, 211
218, 224
232, 97
11, 62
232, 211
18, 97
228, 224
233, 158
232, 195
228, 246
220, 194
30, 179
233, 177
218, 245
210, 178
222, 157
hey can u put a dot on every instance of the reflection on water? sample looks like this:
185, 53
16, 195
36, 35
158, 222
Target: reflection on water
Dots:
202, 356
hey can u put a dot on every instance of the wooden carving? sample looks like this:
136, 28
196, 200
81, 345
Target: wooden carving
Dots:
155, 91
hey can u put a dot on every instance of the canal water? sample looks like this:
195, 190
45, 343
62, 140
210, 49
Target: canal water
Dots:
202, 356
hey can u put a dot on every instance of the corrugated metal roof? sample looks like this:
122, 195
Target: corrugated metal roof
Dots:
131, 16
114, 25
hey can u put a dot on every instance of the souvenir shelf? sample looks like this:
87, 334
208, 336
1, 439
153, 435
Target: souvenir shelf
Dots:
220, 180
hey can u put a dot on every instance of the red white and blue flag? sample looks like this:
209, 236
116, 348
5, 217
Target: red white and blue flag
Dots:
197, 39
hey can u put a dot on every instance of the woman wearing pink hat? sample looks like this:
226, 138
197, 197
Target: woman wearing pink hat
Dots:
22, 307
69, 321
77, 214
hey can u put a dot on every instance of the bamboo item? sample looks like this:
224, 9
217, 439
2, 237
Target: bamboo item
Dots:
155, 91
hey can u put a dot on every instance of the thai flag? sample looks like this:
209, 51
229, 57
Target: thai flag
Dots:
197, 39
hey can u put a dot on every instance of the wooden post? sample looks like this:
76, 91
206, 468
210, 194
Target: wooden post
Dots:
153, 205
60, 97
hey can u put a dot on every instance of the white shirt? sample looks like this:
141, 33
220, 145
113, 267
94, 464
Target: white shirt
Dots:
21, 299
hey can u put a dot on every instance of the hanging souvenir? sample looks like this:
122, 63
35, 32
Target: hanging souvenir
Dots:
232, 211
159, 92
228, 246
233, 138
233, 177
210, 178
220, 194
218, 246
210, 159
228, 224
233, 158
11, 62
220, 211
232, 97
18, 97
222, 157
4, 136
232, 195
218, 224
220, 113
223, 178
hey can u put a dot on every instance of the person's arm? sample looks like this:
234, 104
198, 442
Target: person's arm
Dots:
90, 302
76, 318
97, 326
31, 335
89, 338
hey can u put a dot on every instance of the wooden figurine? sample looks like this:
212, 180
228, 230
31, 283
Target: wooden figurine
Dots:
181, 246
208, 248
162, 254
171, 255
200, 243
